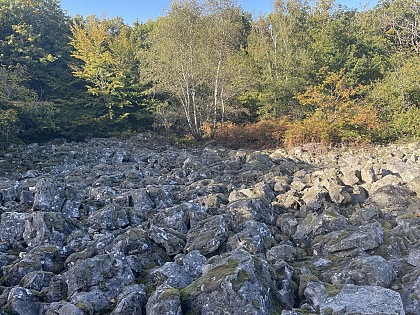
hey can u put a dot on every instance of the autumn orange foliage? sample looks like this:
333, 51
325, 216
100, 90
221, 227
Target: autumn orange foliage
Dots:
262, 135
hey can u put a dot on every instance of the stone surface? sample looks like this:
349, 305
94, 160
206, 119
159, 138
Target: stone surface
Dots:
364, 300
139, 226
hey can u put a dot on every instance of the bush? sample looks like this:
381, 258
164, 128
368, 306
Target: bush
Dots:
262, 135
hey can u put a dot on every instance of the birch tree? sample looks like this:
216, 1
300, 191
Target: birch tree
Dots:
190, 49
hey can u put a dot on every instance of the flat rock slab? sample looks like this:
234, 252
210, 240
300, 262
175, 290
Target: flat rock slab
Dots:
363, 300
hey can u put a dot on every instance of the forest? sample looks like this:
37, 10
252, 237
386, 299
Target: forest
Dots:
307, 72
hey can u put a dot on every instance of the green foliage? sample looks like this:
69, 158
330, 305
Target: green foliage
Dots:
190, 60
397, 99
207, 68
278, 49
34, 33
109, 52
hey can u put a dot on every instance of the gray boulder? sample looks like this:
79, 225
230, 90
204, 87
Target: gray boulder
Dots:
364, 237
363, 300
192, 262
208, 235
48, 195
37, 280
318, 224
283, 252
235, 283
171, 240
48, 227
130, 300
255, 237
110, 272
141, 201
370, 270
164, 301
170, 274
41, 258
132, 242
22, 301
249, 209
94, 301
173, 218
12, 226
110, 217
61, 308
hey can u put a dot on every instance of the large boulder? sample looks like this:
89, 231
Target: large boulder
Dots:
236, 283
364, 237
208, 235
363, 300
110, 272
255, 237
130, 300
370, 270
164, 301
249, 209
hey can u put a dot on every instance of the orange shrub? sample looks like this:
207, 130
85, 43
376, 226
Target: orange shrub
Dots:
262, 135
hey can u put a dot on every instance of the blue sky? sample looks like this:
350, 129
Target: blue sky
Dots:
130, 10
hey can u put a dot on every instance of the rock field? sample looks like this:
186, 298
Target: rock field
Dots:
136, 226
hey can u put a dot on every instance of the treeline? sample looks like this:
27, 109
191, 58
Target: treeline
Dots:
303, 73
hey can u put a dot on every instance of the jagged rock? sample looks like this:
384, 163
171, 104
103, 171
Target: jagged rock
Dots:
102, 194
12, 226
164, 301
8, 191
48, 227
411, 293
41, 258
314, 225
109, 271
237, 283
261, 191
132, 242
255, 237
365, 237
314, 197
287, 223
388, 196
350, 175
161, 195
192, 262
414, 185
283, 252
57, 289
316, 293
173, 218
91, 302
109, 218
249, 209
414, 257
371, 270
338, 193
171, 240
363, 300
48, 196
368, 174
37, 280
61, 308
208, 235
22, 301
363, 215
170, 274
130, 300
141, 201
